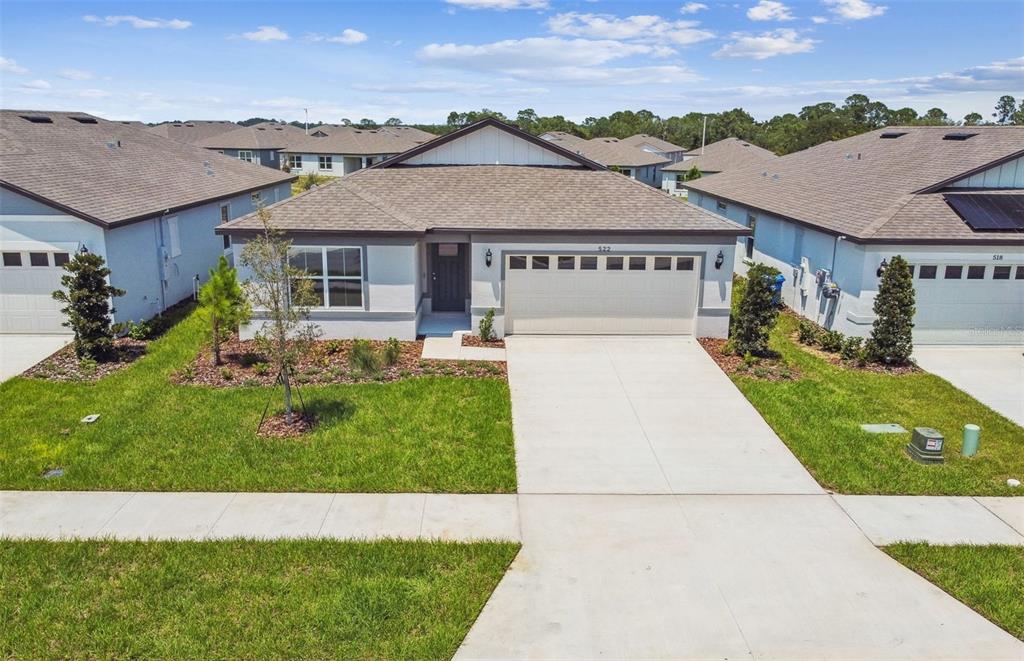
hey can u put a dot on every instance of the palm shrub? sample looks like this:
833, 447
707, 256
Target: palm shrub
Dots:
487, 326
891, 338
86, 297
392, 351
222, 304
756, 314
362, 358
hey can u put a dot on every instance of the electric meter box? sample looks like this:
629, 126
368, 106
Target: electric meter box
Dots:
925, 446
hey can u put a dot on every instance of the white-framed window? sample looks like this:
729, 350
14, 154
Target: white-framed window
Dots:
326, 162
294, 161
752, 224
336, 273
255, 198
173, 237
245, 155
225, 212
12, 259
721, 206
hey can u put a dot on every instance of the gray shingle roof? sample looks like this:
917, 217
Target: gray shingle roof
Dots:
360, 142
641, 139
872, 188
266, 135
110, 173
721, 156
192, 131
610, 152
487, 198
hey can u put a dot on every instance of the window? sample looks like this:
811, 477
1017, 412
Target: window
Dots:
326, 162
12, 259
39, 259
245, 155
294, 161
337, 274
255, 198
225, 213
975, 272
684, 263
173, 237
590, 263
61, 258
721, 206
613, 263
911, 267
1020, 273
517, 262
227, 242
662, 263
928, 272
637, 263
540, 262
566, 263
1000, 272
954, 272
752, 224
627, 172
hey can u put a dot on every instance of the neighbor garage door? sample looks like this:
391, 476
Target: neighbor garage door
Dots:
27, 282
594, 294
963, 303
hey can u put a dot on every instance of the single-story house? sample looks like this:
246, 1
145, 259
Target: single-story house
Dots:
655, 145
194, 130
950, 200
560, 245
721, 156
633, 162
259, 143
339, 150
71, 182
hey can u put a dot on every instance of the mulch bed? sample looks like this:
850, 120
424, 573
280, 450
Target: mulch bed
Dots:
765, 369
64, 365
276, 427
836, 359
327, 363
475, 341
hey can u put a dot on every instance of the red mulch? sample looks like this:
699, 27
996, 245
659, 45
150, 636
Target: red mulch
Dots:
475, 341
765, 369
276, 427
64, 365
836, 359
327, 363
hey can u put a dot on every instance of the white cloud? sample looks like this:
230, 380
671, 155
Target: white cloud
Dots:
500, 5
818, 20
638, 28
692, 7
854, 10
266, 33
348, 36
1003, 76
769, 10
766, 44
75, 74
36, 85
10, 66
139, 23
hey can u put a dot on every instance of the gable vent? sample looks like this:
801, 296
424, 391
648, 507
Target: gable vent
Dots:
37, 119
892, 135
958, 135
85, 120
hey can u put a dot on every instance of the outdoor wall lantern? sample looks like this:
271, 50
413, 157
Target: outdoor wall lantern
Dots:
719, 260
83, 250
488, 256
881, 267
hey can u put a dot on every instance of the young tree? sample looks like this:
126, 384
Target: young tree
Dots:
87, 305
757, 312
278, 290
222, 304
891, 338
692, 173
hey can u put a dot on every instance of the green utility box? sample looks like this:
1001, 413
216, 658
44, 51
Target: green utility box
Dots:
925, 446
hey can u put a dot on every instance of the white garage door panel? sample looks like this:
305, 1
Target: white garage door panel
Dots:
26, 301
962, 311
601, 301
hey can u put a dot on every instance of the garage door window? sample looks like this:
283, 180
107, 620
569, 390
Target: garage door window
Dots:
954, 272
928, 272
590, 264
684, 263
975, 272
61, 258
540, 262
39, 259
12, 259
1020, 273
1000, 272
662, 263
517, 262
566, 263
637, 263
613, 263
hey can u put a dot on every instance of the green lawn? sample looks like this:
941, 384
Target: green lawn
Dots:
819, 418
989, 579
443, 434
239, 599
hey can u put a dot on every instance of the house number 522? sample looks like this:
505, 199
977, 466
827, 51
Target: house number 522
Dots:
604, 249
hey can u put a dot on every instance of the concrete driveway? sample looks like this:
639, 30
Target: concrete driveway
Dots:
993, 375
20, 352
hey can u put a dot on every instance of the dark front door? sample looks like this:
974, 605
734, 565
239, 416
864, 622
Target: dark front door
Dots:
449, 277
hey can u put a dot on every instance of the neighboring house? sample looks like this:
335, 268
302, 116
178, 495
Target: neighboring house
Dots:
721, 156
71, 181
950, 200
491, 218
259, 143
193, 131
613, 154
339, 150
654, 145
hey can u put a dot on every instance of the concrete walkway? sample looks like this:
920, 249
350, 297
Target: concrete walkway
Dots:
450, 348
937, 519
20, 352
993, 375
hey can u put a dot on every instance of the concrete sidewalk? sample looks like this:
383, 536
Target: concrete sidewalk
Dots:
937, 519
154, 515
450, 348
20, 352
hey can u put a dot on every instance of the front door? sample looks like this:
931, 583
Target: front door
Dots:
449, 277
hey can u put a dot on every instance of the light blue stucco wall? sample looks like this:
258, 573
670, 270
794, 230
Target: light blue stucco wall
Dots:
1007, 175
24, 219
267, 157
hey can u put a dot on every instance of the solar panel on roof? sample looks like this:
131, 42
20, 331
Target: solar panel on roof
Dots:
987, 212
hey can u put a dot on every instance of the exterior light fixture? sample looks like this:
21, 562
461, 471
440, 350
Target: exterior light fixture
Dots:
488, 256
881, 268
719, 260
83, 250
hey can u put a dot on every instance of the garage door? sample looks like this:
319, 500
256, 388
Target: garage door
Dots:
27, 282
963, 303
601, 294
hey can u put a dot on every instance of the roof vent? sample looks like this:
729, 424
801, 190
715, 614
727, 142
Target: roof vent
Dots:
37, 119
85, 120
958, 135
892, 135
260, 128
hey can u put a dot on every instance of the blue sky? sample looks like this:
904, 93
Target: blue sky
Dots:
419, 60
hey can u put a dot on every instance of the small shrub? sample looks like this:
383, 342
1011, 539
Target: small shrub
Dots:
86, 298
302, 378
363, 359
892, 339
260, 369
487, 326
761, 372
852, 348
188, 373
335, 372
405, 374
831, 341
392, 351
334, 346
757, 312
749, 360
226, 373
138, 331
808, 332
88, 366
251, 382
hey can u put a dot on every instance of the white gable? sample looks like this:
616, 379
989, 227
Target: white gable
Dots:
1006, 175
489, 146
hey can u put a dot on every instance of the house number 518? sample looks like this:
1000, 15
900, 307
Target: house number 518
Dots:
997, 257
604, 249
